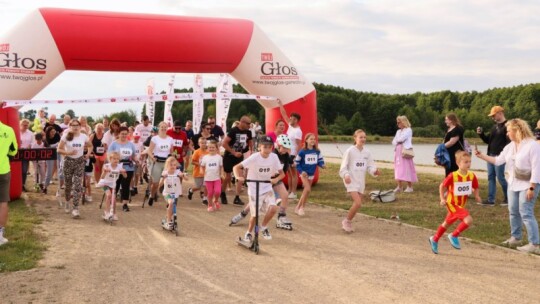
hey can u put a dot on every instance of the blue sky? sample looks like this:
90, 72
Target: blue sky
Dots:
386, 46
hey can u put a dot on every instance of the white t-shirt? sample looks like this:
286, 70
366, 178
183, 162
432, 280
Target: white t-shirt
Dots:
262, 169
27, 137
77, 144
294, 134
355, 164
145, 131
172, 184
112, 176
139, 148
108, 138
162, 146
212, 167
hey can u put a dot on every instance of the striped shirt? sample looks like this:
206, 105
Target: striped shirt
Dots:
459, 188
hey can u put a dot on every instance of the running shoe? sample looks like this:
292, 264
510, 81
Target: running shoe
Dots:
125, 207
3, 240
105, 215
75, 214
237, 218
248, 237
434, 245
346, 225
238, 201
210, 208
223, 198
190, 194
529, 248
454, 241
278, 202
88, 198
511, 242
292, 195
205, 201
217, 206
266, 234
150, 202
408, 190
486, 203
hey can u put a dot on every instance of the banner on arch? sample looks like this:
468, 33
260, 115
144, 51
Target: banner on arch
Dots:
223, 102
198, 103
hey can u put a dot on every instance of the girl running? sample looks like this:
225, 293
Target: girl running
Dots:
307, 161
172, 187
357, 160
110, 173
198, 171
213, 167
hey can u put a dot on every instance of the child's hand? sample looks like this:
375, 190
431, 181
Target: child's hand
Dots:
304, 174
185, 176
377, 172
442, 202
347, 179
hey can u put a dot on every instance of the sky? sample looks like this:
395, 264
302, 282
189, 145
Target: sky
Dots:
383, 46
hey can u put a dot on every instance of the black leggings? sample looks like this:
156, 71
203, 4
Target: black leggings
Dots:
124, 182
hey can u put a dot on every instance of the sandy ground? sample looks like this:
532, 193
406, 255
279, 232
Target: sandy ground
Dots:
135, 261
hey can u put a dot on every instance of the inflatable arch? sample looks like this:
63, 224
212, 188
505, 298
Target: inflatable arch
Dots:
50, 40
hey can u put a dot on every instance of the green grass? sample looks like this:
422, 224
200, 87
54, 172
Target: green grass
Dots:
25, 247
420, 208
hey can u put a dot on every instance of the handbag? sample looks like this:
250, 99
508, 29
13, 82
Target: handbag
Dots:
407, 153
386, 196
521, 174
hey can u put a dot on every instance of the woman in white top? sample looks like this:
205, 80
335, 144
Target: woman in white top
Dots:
404, 170
85, 128
72, 146
26, 141
112, 134
161, 146
522, 159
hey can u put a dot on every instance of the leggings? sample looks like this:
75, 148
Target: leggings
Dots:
24, 164
73, 174
125, 183
40, 169
48, 175
213, 188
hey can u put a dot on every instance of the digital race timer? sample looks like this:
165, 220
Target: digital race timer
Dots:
35, 154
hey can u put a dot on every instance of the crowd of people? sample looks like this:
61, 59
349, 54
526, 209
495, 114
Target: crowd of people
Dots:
117, 158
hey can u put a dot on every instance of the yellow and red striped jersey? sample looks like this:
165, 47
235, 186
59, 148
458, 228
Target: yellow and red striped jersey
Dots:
459, 188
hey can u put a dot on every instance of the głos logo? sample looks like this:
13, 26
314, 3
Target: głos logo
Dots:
276, 70
16, 63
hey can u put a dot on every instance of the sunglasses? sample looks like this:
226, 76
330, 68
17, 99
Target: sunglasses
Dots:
208, 129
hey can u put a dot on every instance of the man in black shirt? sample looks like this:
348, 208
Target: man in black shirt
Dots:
217, 131
237, 142
496, 140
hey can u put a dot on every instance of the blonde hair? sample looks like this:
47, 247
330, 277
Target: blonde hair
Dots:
521, 128
169, 160
356, 133
403, 119
113, 153
97, 126
212, 142
461, 154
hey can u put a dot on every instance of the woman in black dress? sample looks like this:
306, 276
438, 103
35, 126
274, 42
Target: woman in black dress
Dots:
453, 140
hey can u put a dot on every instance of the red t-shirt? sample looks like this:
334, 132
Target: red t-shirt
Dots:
180, 143
459, 188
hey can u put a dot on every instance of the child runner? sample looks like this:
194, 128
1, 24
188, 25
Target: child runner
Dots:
459, 184
307, 161
88, 172
283, 145
172, 188
213, 168
198, 172
357, 160
261, 166
109, 175
138, 163
40, 165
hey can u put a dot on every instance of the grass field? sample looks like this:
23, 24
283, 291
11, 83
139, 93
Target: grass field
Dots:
25, 247
420, 208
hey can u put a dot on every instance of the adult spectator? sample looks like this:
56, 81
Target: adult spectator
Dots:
189, 151
72, 146
105, 124
279, 128
496, 141
237, 142
52, 138
404, 170
144, 129
161, 147
258, 127
217, 131
453, 140
40, 121
99, 150
65, 122
522, 159
52, 123
295, 135
8, 147
112, 134
26, 142
206, 133
128, 156
537, 131
180, 142
85, 128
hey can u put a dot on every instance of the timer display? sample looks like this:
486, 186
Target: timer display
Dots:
35, 154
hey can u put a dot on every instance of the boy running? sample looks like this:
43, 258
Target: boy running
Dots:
459, 184
198, 172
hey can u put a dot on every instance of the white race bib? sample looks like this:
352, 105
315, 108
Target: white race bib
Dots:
100, 150
311, 159
178, 143
125, 153
360, 165
462, 188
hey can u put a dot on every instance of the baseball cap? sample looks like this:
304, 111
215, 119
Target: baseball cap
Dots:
265, 140
136, 134
495, 110
177, 123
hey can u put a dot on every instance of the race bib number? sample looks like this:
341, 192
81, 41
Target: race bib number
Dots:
125, 153
462, 188
164, 147
311, 159
360, 165
114, 175
100, 150
212, 165
178, 143
145, 134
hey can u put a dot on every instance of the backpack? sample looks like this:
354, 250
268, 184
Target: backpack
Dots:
386, 196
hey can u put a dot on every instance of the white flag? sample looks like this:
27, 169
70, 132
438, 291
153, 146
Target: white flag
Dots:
167, 114
150, 104
223, 103
198, 103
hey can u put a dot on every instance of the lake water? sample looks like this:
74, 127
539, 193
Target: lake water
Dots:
423, 153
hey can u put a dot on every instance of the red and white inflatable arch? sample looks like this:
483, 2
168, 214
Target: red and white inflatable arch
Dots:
50, 41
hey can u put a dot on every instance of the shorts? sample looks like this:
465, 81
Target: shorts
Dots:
355, 187
106, 184
229, 161
460, 214
157, 169
199, 182
4, 187
265, 201
101, 158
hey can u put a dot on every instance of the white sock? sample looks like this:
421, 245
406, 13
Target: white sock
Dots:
263, 228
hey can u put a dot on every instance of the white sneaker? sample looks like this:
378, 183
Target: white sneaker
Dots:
292, 195
88, 198
3, 240
397, 190
106, 216
75, 214
266, 234
530, 248
67, 207
511, 242
114, 217
408, 190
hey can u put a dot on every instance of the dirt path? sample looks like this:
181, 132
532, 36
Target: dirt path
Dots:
135, 261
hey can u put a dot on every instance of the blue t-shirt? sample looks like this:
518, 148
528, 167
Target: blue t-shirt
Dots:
308, 160
127, 153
